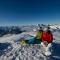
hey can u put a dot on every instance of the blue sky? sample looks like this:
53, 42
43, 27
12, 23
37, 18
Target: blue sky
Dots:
24, 12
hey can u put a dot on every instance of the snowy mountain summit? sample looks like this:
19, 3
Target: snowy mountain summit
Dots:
11, 49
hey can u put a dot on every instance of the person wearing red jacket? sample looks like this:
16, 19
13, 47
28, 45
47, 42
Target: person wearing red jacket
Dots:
47, 38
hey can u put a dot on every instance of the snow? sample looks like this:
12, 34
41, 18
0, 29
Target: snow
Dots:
13, 50
16, 51
55, 26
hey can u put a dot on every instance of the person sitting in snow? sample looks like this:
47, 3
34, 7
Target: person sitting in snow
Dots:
47, 38
38, 37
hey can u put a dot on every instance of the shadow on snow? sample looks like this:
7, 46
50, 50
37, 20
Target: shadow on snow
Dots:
4, 48
56, 51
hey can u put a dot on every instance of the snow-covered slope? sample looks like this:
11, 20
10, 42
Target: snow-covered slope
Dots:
11, 49
55, 26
